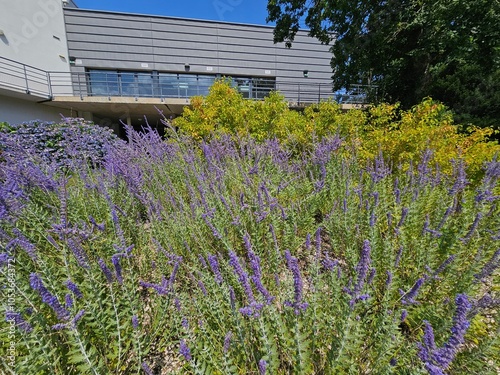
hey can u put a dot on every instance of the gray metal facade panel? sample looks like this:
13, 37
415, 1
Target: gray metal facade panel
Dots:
196, 50
124, 41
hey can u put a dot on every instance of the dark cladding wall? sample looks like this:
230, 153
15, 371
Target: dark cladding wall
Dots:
105, 40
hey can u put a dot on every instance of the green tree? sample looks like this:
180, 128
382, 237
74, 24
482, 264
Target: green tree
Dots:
410, 49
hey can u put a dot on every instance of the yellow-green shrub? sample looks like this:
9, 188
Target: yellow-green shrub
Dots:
402, 136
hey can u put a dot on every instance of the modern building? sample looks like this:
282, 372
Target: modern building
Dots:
56, 58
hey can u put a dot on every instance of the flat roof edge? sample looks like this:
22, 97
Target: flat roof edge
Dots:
171, 17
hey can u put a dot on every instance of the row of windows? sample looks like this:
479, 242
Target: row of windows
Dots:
168, 85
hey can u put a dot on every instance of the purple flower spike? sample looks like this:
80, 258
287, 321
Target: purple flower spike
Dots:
115, 259
19, 321
363, 266
147, 370
437, 360
262, 367
135, 322
214, 266
79, 253
37, 284
25, 244
409, 297
185, 351
241, 274
74, 289
106, 270
257, 276
293, 265
404, 314
68, 301
77, 318
227, 342
489, 267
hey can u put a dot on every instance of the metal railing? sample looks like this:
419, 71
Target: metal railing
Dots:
24, 78
31, 80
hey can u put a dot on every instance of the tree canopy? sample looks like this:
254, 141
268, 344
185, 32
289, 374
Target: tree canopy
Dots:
409, 49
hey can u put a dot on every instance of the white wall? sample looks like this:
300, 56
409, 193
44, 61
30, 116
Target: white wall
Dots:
34, 33
15, 111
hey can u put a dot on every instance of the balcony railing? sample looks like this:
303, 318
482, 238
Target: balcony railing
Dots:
99, 83
24, 78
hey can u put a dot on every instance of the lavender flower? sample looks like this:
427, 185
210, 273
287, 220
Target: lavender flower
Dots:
177, 304
214, 230
485, 302
115, 259
74, 289
78, 251
262, 367
77, 318
146, 368
257, 276
293, 265
37, 284
388, 281
185, 351
68, 301
318, 242
227, 342
105, 270
362, 267
25, 244
18, 320
100, 227
404, 315
473, 227
201, 285
443, 265
437, 360
328, 263
489, 267
242, 275
202, 261
379, 170
214, 266
185, 323
59, 327
460, 177
373, 271
4, 259
398, 257
135, 322
404, 214
409, 297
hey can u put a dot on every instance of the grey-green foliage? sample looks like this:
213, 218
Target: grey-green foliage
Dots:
178, 203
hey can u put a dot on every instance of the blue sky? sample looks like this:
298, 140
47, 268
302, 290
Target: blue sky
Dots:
243, 11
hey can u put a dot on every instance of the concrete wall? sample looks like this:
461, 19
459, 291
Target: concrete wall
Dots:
105, 40
13, 110
34, 33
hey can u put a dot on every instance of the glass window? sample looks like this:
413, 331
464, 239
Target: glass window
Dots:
103, 83
169, 85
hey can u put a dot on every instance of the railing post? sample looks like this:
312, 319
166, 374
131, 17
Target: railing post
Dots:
80, 86
298, 98
49, 85
26, 80
319, 93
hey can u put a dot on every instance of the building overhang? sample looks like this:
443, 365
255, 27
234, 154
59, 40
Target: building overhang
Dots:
122, 107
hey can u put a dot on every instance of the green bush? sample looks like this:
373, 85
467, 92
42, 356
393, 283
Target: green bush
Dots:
401, 136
